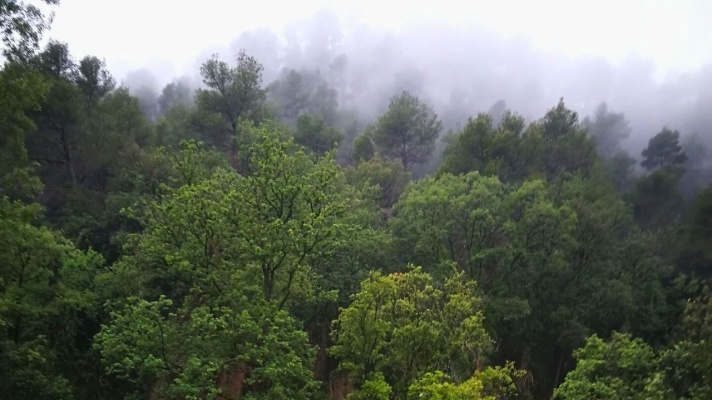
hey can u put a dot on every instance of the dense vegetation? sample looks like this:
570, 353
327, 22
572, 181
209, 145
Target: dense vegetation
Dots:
254, 240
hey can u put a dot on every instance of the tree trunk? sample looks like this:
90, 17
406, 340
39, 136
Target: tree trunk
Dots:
68, 159
267, 281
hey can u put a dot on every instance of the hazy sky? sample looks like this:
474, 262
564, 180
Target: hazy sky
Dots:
168, 35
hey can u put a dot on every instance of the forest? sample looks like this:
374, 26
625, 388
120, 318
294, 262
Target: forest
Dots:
255, 239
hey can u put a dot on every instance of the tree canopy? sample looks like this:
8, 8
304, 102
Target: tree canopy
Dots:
261, 237
407, 131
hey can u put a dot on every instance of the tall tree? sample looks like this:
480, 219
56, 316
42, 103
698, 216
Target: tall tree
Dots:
620, 169
663, 150
491, 150
407, 131
566, 147
59, 118
234, 93
242, 252
93, 79
389, 178
608, 129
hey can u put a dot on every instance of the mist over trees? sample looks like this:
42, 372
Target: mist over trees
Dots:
343, 214
363, 67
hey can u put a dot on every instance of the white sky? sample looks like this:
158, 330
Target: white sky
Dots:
169, 34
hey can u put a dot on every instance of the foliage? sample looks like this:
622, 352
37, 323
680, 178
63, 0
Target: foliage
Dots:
663, 150
22, 26
407, 131
20, 91
362, 149
572, 237
555, 144
296, 93
487, 384
233, 94
686, 363
696, 242
389, 177
487, 149
402, 325
315, 135
227, 344
207, 244
45, 292
624, 368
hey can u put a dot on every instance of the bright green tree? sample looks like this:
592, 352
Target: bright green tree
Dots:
219, 261
402, 326
622, 368
491, 383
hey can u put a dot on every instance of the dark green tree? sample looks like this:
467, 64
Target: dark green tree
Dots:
686, 364
315, 135
21, 91
45, 296
233, 93
93, 79
663, 150
21, 27
566, 146
696, 243
407, 131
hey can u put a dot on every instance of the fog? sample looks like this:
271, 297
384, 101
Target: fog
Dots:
462, 70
